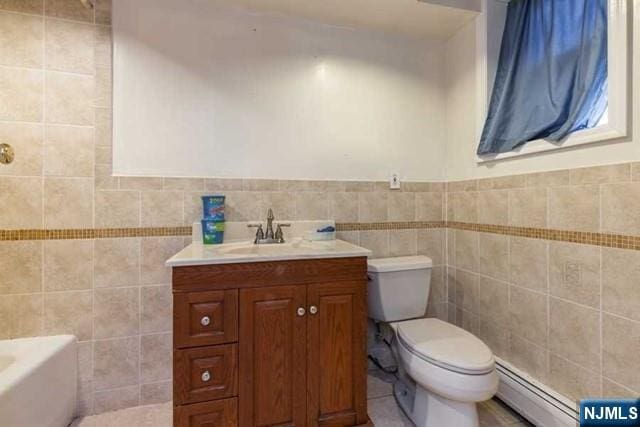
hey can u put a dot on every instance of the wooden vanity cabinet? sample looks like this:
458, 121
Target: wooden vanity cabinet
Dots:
271, 344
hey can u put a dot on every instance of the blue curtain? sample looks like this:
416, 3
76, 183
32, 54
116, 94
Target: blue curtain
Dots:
552, 73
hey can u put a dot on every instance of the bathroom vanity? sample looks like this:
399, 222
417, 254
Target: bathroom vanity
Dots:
270, 335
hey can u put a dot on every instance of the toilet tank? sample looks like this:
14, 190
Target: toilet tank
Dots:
398, 288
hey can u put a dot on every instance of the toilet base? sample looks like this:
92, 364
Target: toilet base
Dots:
426, 409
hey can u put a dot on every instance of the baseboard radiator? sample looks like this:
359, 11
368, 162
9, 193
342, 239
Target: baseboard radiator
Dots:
536, 402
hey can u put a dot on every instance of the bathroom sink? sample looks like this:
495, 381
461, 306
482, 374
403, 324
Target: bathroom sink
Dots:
247, 251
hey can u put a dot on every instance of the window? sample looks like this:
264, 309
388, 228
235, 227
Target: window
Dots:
612, 125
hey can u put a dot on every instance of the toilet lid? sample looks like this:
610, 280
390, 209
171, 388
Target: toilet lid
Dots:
446, 345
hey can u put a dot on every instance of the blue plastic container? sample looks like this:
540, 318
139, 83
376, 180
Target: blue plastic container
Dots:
213, 207
212, 232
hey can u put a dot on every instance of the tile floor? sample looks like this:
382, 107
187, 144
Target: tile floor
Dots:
383, 410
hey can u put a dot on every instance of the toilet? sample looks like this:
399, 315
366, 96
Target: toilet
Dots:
444, 370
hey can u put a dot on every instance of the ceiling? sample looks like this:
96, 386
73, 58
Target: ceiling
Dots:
411, 18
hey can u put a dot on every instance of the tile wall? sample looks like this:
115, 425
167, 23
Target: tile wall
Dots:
566, 313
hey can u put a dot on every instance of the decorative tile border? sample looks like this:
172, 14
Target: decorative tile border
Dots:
597, 239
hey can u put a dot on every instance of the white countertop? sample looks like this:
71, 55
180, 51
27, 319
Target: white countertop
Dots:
246, 251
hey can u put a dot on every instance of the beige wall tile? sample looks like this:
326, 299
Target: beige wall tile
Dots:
69, 313
156, 392
85, 360
493, 207
312, 205
601, 174
193, 207
349, 236
495, 336
116, 363
621, 208
222, 184
68, 203
358, 186
21, 94
468, 321
430, 206
155, 357
156, 305
463, 207
113, 400
183, 184
21, 201
103, 12
574, 333
528, 315
401, 207
372, 207
528, 263
493, 300
117, 209
574, 272
402, 243
620, 279
26, 139
494, 256
162, 208
611, 389
375, 241
20, 316
431, 243
68, 265
68, 9
466, 250
572, 380
450, 277
140, 183
117, 262
155, 251
25, 6
528, 357
528, 207
103, 118
289, 186
103, 178
69, 46
103, 154
20, 267
116, 312
575, 207
102, 87
467, 291
244, 206
283, 205
621, 351
343, 207
69, 99
548, 179
438, 291
21, 40
69, 151
451, 246
457, 186
260, 185
102, 46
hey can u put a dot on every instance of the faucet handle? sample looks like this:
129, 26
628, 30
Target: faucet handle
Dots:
279, 235
259, 232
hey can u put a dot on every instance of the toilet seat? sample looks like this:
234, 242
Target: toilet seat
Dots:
446, 346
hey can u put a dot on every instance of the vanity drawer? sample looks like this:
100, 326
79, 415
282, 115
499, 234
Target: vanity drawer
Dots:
206, 373
223, 413
205, 318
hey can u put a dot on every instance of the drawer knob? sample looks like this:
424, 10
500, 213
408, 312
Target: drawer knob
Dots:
206, 376
313, 309
301, 311
205, 321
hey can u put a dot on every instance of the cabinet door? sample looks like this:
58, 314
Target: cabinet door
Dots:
272, 370
336, 374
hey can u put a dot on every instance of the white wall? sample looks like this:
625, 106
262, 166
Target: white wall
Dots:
462, 136
201, 91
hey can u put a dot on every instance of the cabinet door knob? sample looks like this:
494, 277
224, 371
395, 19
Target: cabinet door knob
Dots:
205, 321
313, 309
301, 311
206, 376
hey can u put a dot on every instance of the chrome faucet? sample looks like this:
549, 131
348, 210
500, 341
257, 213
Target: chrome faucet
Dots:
269, 236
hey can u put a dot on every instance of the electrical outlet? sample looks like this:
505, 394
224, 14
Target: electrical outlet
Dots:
394, 181
572, 273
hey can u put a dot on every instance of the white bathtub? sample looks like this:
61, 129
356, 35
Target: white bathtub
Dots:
38, 381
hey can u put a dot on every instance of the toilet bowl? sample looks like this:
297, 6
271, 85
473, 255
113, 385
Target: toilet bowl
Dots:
444, 370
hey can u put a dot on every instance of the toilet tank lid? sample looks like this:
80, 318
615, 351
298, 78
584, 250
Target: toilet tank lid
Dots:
384, 265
